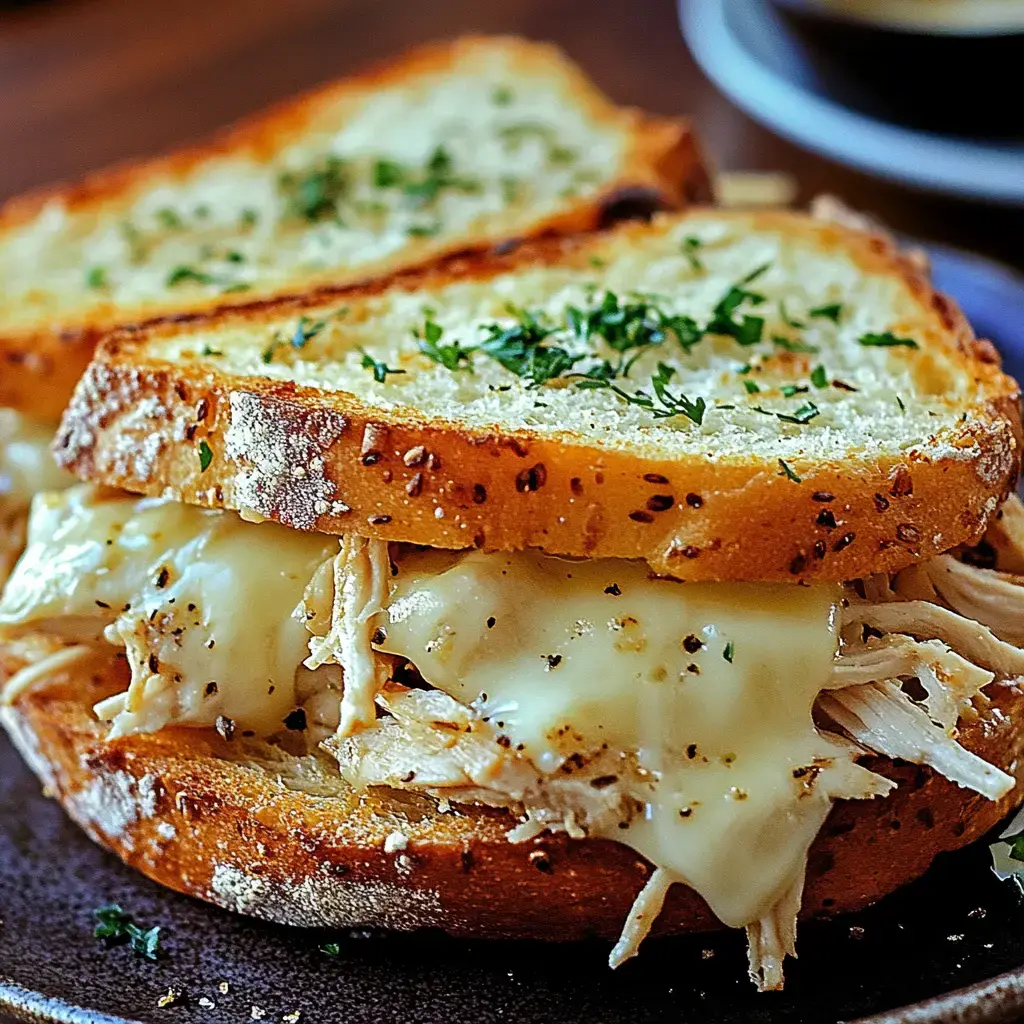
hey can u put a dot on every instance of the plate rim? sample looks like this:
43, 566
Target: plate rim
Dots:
923, 160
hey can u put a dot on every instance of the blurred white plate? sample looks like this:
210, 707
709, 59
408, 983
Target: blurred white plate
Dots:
747, 48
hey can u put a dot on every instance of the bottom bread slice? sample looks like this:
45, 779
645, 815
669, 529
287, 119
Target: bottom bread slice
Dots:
255, 829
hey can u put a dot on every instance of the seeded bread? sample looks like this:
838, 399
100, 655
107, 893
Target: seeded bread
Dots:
256, 830
451, 147
865, 430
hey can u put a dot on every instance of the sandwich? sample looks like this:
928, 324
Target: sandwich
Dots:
452, 147
653, 580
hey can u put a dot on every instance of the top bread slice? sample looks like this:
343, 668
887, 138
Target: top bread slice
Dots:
793, 401
453, 147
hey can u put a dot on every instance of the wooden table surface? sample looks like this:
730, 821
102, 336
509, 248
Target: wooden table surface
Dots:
84, 83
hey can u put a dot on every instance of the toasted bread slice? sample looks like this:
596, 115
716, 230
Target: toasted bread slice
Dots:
849, 421
452, 147
259, 831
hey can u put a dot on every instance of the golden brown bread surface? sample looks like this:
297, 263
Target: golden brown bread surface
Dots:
451, 147
910, 450
280, 837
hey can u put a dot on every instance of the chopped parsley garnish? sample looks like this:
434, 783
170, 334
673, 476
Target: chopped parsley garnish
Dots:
331, 948
96, 277
751, 387
437, 174
819, 378
305, 330
792, 346
807, 412
208, 351
183, 273
690, 246
789, 390
513, 136
205, 453
502, 96
387, 174
423, 230
730, 648
886, 340
661, 405
314, 194
833, 311
787, 471
747, 329
451, 357
380, 369
249, 218
899, 402
116, 926
168, 218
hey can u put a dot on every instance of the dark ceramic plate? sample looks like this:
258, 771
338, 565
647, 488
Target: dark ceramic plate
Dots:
956, 927
885, 105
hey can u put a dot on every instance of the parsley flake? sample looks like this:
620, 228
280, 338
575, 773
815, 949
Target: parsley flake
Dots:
690, 246
833, 311
331, 949
502, 96
787, 471
380, 369
729, 652
819, 378
116, 926
314, 194
751, 387
96, 277
183, 273
205, 453
305, 330
451, 357
789, 345
885, 340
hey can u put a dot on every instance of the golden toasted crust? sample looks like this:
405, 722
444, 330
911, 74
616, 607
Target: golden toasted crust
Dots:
325, 460
40, 364
288, 841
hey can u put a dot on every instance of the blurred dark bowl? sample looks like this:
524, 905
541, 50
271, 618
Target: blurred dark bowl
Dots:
955, 84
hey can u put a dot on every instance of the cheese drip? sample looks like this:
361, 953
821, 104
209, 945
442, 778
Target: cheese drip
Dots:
204, 602
705, 690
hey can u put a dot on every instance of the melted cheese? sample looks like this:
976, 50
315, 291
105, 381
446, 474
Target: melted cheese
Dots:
203, 601
705, 689
26, 465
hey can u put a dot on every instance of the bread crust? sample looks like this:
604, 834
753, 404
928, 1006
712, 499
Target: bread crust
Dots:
211, 818
326, 461
662, 169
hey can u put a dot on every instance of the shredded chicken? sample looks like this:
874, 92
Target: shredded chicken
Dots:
882, 718
930, 618
950, 681
933, 622
984, 595
360, 574
644, 912
771, 939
